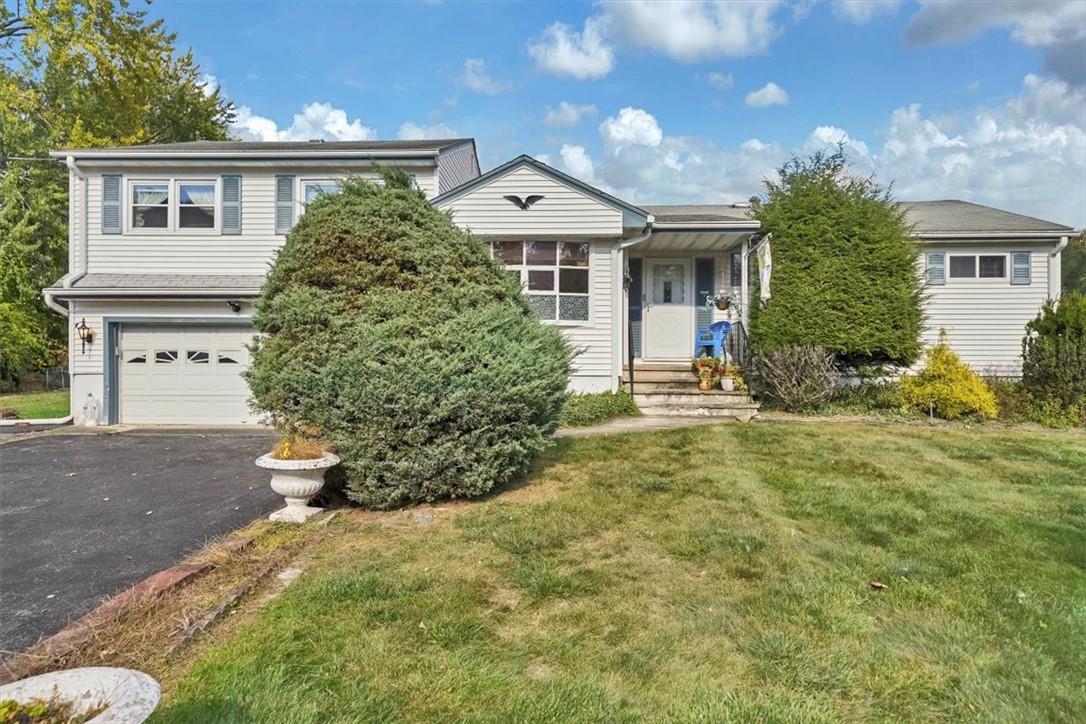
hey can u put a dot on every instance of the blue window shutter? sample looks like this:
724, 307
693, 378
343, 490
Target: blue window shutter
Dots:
284, 204
935, 267
1020, 267
736, 269
635, 306
231, 204
111, 204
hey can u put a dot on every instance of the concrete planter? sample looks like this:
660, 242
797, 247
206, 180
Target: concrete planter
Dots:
297, 481
727, 384
130, 696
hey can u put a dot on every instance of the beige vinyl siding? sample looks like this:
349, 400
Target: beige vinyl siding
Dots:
593, 341
456, 166
199, 252
985, 319
563, 210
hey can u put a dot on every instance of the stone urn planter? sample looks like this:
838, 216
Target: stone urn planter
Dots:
727, 384
129, 696
297, 481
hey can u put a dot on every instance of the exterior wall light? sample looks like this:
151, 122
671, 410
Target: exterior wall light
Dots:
235, 306
86, 334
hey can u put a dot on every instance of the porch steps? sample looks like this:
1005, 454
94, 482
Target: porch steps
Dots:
671, 390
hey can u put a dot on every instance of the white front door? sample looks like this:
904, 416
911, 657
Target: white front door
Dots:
669, 311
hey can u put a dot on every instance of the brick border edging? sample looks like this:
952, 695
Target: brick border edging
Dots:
75, 634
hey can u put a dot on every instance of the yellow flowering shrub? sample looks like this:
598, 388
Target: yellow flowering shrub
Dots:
949, 385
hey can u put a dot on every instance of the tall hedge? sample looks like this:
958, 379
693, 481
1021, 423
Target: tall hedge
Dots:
396, 336
1054, 351
844, 268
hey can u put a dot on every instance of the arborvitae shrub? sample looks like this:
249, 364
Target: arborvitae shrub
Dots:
948, 387
395, 335
1054, 352
844, 267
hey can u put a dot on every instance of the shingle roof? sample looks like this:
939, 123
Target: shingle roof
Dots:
232, 147
962, 217
180, 282
680, 213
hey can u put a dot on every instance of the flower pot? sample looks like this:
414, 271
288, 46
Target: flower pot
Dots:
727, 384
129, 696
297, 481
705, 385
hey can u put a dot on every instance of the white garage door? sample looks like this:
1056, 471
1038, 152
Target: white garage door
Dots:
183, 374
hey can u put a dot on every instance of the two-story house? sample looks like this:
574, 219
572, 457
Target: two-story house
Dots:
169, 245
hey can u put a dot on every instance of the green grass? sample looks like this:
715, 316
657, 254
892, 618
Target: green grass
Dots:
593, 409
697, 575
37, 405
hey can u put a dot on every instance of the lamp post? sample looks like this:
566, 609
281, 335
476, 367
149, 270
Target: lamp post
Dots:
86, 334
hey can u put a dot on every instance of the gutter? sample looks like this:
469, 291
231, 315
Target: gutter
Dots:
255, 154
66, 281
987, 236
100, 293
708, 226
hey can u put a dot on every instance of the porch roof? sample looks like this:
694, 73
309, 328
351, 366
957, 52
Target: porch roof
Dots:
697, 227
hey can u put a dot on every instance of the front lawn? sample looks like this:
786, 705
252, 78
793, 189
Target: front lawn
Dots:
706, 574
37, 405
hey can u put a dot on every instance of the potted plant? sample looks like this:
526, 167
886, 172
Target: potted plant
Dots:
298, 462
706, 369
722, 300
731, 378
94, 694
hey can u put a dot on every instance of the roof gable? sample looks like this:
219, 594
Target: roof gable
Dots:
632, 215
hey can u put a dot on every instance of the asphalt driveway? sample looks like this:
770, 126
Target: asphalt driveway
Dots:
83, 516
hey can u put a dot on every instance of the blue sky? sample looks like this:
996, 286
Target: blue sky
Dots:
691, 101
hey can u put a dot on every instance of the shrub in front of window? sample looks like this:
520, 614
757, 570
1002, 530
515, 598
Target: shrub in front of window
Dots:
1054, 352
947, 387
845, 272
796, 377
410, 350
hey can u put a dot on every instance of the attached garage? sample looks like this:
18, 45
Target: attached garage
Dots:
171, 373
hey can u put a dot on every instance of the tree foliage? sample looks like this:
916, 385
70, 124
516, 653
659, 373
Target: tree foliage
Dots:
80, 73
1073, 266
396, 337
1054, 352
844, 268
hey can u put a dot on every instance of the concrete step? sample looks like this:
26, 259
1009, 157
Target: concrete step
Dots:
689, 387
674, 375
721, 413
692, 401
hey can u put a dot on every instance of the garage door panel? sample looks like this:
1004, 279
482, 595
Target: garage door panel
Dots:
184, 374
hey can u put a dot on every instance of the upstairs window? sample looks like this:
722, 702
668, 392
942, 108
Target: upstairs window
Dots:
196, 206
150, 206
312, 189
553, 274
981, 266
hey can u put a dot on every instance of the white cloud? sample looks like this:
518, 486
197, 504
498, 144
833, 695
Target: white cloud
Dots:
1027, 155
770, 94
862, 11
1058, 26
632, 127
720, 81
208, 83
317, 120
410, 131
694, 30
568, 114
564, 51
477, 79
577, 163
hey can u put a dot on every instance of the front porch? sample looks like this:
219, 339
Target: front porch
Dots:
669, 389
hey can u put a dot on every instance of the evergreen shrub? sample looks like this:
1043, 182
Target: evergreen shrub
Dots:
948, 387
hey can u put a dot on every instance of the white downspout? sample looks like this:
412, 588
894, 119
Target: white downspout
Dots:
627, 342
1055, 268
744, 282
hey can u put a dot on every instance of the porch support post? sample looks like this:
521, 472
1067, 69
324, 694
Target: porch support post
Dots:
744, 283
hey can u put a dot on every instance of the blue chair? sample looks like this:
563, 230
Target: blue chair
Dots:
712, 338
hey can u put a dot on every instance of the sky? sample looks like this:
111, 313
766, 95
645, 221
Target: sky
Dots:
670, 102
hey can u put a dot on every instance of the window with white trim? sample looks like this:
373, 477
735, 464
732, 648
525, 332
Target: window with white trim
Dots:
312, 188
553, 274
173, 204
978, 266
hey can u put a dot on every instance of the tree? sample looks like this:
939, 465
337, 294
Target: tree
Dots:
1073, 265
80, 73
844, 266
393, 335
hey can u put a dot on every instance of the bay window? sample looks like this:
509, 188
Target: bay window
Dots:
553, 274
